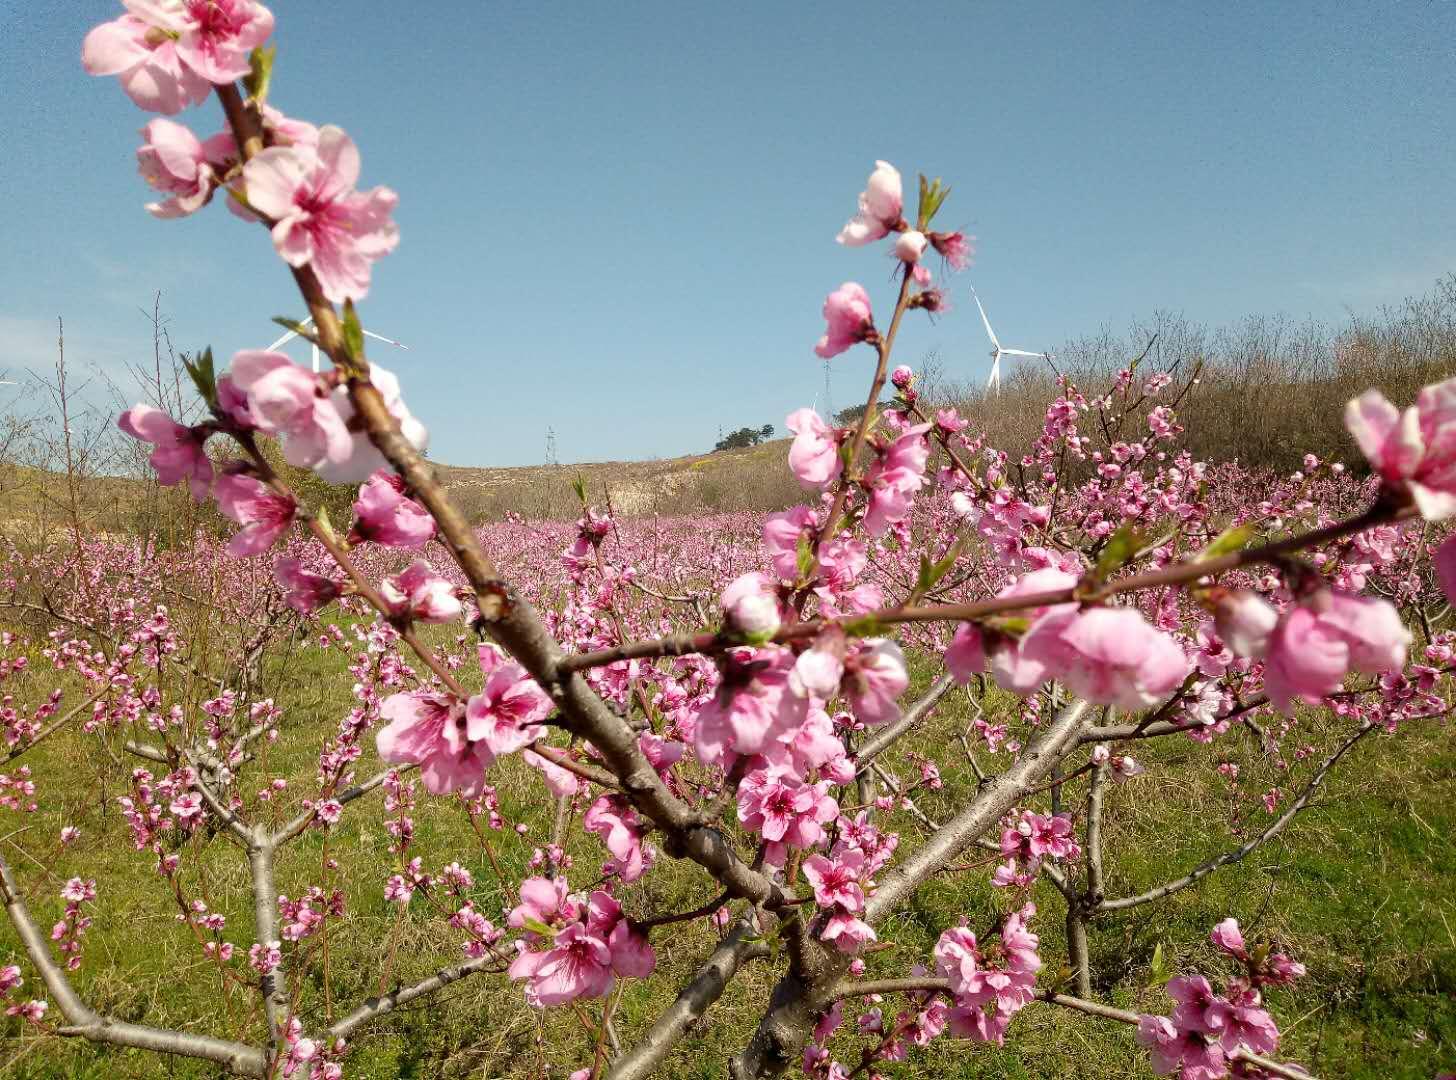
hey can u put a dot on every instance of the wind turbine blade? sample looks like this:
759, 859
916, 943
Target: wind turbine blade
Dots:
1022, 352
387, 341
995, 376
989, 332
284, 340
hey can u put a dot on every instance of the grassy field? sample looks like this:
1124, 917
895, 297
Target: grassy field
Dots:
1362, 888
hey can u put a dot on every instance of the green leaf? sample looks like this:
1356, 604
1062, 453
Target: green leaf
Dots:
260, 75
578, 485
303, 330
1228, 541
864, 626
204, 377
1121, 547
804, 560
322, 517
353, 333
536, 926
1159, 971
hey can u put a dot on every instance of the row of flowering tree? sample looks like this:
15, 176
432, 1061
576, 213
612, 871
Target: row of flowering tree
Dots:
745, 717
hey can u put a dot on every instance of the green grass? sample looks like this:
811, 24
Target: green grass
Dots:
1362, 888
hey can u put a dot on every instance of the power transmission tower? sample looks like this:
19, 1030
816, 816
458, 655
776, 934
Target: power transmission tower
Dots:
551, 458
828, 399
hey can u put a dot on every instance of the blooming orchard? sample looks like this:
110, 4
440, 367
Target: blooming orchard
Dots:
1120, 590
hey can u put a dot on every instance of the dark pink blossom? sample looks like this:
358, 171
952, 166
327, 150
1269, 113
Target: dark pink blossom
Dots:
388, 516
263, 514
180, 453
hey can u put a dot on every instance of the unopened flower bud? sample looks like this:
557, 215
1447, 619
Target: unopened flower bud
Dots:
910, 246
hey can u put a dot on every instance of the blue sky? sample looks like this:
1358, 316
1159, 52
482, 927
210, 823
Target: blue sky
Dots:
619, 222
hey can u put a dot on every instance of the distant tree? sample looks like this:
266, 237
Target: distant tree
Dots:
852, 415
744, 436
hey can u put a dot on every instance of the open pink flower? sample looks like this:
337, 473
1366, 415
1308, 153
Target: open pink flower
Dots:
894, 478
287, 401
543, 900
880, 206
752, 707
814, 454
577, 965
874, 678
1318, 642
508, 711
305, 592
847, 932
319, 220
1414, 450
429, 730
612, 818
784, 810
263, 514
388, 516
1110, 656
850, 321
180, 453
420, 593
967, 654
836, 880
782, 534
362, 458
173, 161
147, 63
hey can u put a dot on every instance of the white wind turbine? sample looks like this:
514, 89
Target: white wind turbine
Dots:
997, 352
286, 338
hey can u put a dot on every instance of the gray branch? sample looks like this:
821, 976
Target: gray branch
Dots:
738, 948
886, 736
378, 1006
1204, 869
86, 1023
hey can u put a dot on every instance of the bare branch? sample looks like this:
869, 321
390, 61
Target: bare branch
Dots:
86, 1023
377, 1006
740, 946
908, 719
1204, 869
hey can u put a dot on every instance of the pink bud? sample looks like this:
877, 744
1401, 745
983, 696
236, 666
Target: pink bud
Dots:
911, 246
1244, 621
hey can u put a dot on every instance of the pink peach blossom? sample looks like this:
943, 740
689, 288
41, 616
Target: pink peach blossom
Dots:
880, 206
388, 516
305, 591
264, 514
430, 730
508, 711
319, 220
847, 313
417, 592
814, 454
180, 453
173, 161
1414, 450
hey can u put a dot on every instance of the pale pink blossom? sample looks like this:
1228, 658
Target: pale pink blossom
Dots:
1244, 620
1227, 937
874, 678
430, 730
751, 605
305, 591
847, 932
836, 879
175, 162
419, 593
1318, 642
894, 478
814, 454
180, 453
147, 62
880, 206
287, 401
848, 318
508, 711
911, 245
543, 900
966, 656
783, 534
1414, 450
753, 706
577, 965
612, 818
1109, 656
362, 458
318, 219
263, 514
388, 516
